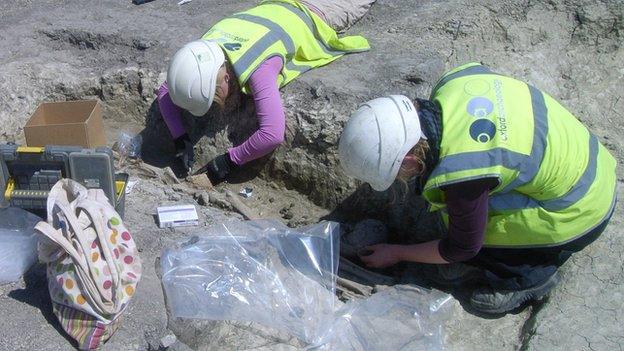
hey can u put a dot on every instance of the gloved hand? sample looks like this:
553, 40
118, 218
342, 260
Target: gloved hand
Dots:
184, 151
219, 168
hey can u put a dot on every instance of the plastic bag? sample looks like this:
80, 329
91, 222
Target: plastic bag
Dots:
397, 318
129, 145
281, 278
257, 271
18, 243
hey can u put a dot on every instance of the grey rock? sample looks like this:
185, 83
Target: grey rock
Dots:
365, 233
168, 340
219, 200
203, 198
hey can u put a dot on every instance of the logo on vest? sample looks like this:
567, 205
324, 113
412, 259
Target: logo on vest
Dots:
232, 46
482, 130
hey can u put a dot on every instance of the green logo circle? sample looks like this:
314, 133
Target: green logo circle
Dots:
477, 87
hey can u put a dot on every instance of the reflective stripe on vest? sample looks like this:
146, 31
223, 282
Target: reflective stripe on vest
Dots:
527, 166
308, 43
312, 28
515, 201
470, 70
275, 34
542, 199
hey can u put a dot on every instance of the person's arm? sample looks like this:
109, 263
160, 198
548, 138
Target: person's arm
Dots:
467, 205
269, 111
385, 255
171, 113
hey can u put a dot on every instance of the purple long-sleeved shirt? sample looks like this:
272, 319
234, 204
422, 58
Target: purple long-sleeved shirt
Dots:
269, 111
467, 206
171, 113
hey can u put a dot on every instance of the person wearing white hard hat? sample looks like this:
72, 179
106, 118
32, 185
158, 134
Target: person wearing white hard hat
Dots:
255, 52
520, 183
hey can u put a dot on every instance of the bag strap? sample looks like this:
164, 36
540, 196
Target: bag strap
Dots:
81, 270
94, 210
92, 293
56, 236
95, 291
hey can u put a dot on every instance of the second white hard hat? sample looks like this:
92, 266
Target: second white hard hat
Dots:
192, 75
376, 139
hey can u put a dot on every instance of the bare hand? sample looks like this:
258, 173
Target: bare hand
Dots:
380, 256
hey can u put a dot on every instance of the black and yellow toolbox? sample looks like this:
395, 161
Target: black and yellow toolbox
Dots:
28, 173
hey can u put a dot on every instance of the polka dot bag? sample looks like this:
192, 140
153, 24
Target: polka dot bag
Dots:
92, 261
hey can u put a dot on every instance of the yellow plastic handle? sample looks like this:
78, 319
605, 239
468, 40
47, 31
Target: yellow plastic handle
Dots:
31, 149
9, 189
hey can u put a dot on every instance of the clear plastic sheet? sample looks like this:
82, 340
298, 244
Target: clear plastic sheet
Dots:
284, 279
257, 271
396, 318
18, 243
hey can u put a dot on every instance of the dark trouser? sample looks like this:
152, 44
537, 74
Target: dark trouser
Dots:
519, 269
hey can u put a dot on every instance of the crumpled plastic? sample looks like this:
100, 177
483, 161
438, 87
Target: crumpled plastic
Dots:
396, 318
284, 278
257, 271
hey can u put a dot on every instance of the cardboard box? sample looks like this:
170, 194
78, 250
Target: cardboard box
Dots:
66, 123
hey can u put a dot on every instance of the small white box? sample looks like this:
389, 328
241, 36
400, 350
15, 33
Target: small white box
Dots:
177, 216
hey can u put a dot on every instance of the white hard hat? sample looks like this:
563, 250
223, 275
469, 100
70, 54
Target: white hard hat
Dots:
192, 75
376, 139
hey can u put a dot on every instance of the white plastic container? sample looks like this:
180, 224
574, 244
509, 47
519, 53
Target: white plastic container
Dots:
177, 216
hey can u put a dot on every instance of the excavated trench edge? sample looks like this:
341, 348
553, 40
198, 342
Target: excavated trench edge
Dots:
527, 330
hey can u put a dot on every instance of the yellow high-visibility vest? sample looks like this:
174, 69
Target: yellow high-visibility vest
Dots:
556, 182
283, 28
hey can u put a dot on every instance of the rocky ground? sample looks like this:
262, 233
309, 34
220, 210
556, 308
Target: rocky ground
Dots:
54, 50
